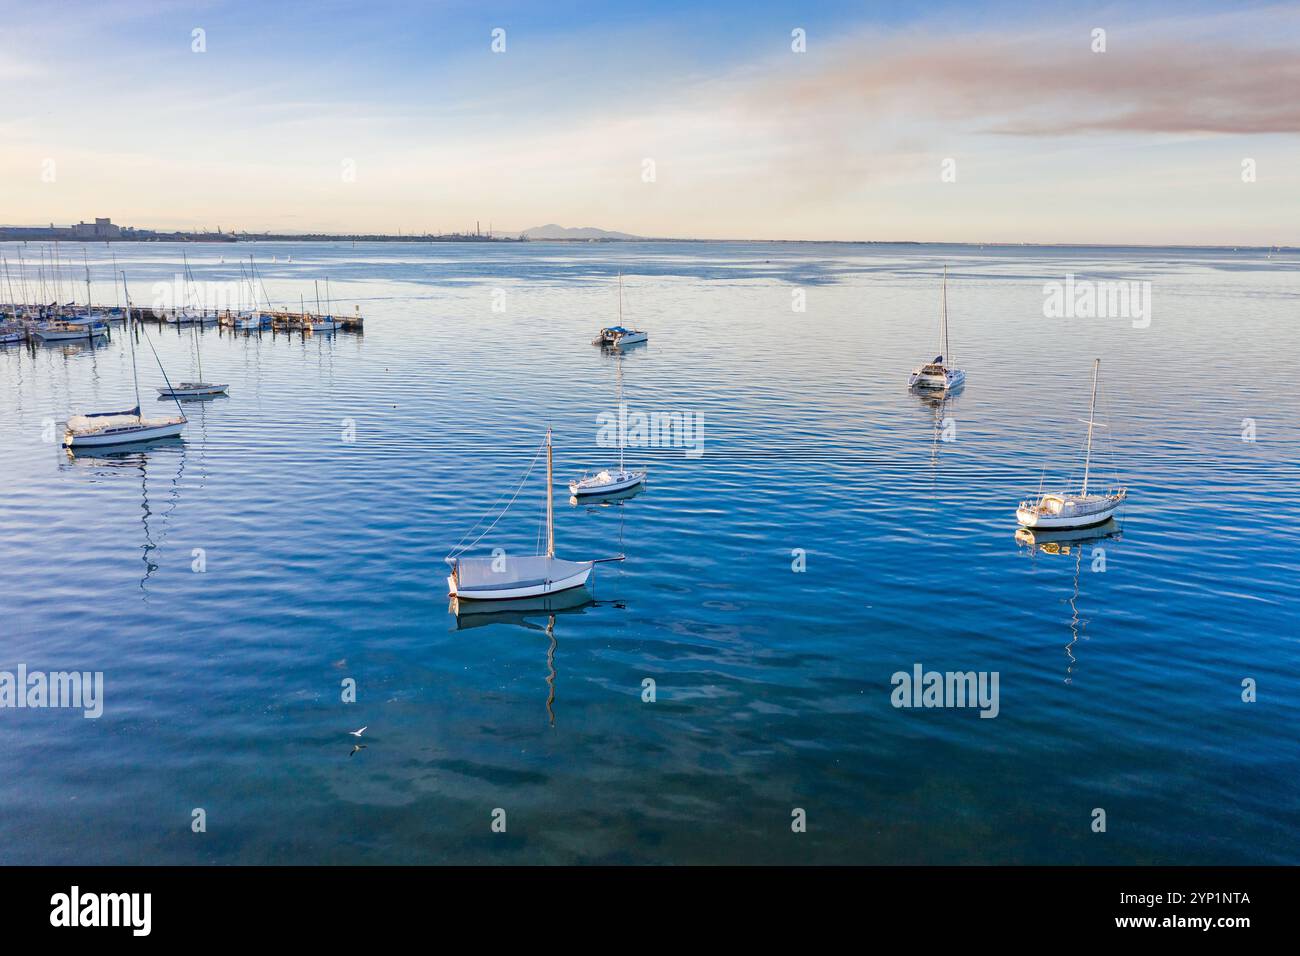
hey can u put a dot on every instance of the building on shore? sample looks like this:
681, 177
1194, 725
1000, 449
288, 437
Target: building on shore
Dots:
99, 229
103, 230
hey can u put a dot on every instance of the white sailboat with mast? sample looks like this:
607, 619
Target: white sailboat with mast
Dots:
196, 389
505, 577
255, 317
184, 313
89, 316
609, 481
321, 322
1066, 509
617, 336
937, 373
61, 331
97, 429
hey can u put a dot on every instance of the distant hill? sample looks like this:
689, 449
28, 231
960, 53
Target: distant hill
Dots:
552, 231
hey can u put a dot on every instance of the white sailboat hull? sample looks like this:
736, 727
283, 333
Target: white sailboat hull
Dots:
1036, 517
519, 590
69, 335
613, 340
191, 390
1030, 520
123, 436
588, 487
950, 380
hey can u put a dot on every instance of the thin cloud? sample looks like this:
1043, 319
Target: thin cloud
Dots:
1035, 85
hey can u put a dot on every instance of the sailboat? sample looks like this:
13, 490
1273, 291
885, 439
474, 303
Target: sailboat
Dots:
608, 481
197, 388
1066, 509
935, 373
319, 322
255, 317
118, 428
616, 336
57, 330
193, 389
506, 577
91, 316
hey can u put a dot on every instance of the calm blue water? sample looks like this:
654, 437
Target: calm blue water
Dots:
1118, 689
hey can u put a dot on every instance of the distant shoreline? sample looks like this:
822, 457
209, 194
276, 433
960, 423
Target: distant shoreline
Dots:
45, 234
21, 234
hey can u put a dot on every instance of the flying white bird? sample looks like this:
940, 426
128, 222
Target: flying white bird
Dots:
358, 733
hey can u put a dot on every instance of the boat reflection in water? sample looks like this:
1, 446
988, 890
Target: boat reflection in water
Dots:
194, 399
603, 501
941, 403
1065, 543
533, 614
137, 457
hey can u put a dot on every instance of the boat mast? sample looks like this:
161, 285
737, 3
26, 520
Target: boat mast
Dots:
192, 285
10, 284
22, 277
130, 329
620, 298
943, 344
550, 501
1092, 412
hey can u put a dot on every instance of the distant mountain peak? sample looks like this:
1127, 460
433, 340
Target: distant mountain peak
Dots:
554, 231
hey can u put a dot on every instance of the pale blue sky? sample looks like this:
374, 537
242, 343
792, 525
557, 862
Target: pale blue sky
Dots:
377, 116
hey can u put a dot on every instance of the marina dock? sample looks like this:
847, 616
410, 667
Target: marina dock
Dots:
34, 323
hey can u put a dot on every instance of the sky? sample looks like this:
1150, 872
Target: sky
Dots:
941, 121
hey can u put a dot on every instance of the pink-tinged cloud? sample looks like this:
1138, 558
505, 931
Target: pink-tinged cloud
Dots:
1035, 85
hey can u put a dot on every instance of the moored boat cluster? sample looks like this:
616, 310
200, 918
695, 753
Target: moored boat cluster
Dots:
1051, 509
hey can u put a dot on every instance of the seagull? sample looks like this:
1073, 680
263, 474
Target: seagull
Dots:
355, 748
358, 733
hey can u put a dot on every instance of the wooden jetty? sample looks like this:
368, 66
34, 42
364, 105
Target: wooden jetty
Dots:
28, 317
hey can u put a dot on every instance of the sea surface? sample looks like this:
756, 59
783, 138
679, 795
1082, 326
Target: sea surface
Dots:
724, 694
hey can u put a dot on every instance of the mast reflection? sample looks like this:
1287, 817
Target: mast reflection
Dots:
1065, 543
118, 459
525, 613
